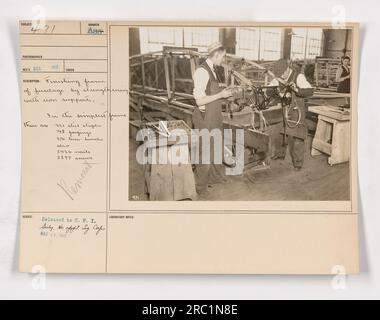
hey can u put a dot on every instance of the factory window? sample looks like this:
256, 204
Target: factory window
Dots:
314, 46
247, 43
270, 44
154, 38
306, 43
298, 43
259, 43
200, 37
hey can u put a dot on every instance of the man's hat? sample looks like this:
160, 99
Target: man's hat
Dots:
280, 67
297, 65
213, 47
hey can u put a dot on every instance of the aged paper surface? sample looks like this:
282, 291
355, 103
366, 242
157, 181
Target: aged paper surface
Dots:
78, 213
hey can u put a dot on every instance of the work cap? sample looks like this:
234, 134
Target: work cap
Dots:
214, 46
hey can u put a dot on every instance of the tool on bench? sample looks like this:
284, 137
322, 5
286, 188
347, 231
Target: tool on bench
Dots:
160, 128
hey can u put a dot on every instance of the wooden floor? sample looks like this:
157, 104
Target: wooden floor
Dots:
316, 181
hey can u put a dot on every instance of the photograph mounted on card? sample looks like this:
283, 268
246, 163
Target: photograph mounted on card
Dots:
192, 147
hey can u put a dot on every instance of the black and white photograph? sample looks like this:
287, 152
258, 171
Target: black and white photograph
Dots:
241, 113
189, 156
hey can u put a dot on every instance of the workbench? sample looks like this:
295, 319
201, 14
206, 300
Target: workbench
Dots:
332, 135
168, 173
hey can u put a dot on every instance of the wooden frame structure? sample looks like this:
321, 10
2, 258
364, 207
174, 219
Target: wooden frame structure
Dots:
161, 89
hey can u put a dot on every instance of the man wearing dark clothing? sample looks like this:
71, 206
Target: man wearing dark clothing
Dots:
294, 129
208, 115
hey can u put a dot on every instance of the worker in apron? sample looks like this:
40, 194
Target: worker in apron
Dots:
343, 76
209, 96
293, 132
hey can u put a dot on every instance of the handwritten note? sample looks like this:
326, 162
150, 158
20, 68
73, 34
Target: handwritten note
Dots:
76, 132
64, 227
67, 123
66, 92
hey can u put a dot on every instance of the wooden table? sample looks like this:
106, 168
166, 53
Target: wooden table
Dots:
332, 135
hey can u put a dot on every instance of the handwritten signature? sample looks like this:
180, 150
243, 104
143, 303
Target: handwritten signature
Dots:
72, 190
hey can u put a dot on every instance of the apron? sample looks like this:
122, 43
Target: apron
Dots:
345, 86
212, 117
299, 131
293, 136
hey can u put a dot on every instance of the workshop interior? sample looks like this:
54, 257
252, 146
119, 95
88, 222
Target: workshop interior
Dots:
296, 145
